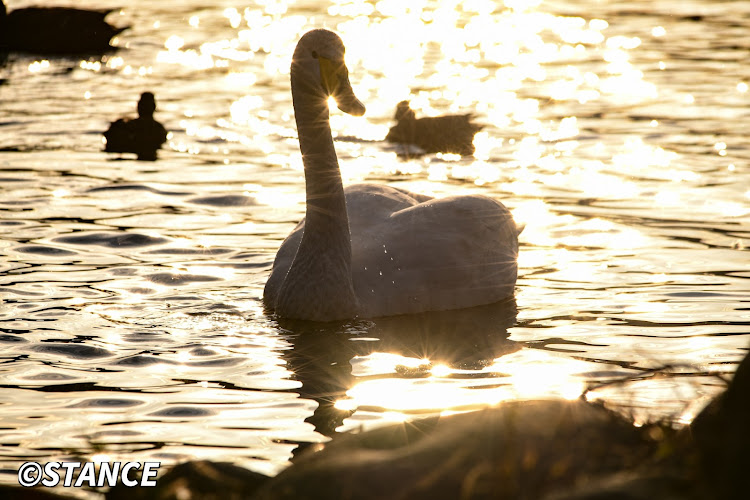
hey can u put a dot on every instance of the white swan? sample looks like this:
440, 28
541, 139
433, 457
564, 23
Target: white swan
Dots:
372, 250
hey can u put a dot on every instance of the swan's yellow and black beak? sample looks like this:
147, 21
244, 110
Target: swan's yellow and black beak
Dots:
335, 80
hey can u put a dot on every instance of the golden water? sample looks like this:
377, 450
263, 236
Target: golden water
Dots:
131, 325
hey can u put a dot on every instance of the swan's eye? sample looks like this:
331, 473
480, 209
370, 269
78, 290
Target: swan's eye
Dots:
315, 54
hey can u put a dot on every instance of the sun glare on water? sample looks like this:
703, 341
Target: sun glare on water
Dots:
133, 291
525, 374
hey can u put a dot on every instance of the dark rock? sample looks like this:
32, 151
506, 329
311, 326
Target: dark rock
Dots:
19, 493
520, 450
196, 480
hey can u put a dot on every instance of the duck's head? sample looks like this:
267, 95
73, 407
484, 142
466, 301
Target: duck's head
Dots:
146, 105
404, 111
318, 64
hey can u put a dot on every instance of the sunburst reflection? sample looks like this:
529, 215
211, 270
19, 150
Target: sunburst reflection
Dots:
525, 374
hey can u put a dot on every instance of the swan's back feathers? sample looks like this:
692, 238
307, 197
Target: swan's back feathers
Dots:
412, 253
446, 253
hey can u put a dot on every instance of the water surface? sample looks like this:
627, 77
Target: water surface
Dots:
131, 322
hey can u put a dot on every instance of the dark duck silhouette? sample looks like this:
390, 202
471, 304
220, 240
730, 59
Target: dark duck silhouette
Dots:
439, 134
55, 30
142, 136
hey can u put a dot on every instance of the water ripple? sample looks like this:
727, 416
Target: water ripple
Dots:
45, 251
75, 351
113, 240
131, 292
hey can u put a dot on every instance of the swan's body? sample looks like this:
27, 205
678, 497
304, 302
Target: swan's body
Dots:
142, 136
438, 134
55, 30
374, 250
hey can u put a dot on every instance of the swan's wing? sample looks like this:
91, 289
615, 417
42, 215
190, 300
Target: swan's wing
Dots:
371, 204
448, 253
282, 262
368, 205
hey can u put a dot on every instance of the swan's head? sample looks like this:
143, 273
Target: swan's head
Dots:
319, 59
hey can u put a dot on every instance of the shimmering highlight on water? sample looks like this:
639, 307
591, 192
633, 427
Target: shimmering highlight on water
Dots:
131, 326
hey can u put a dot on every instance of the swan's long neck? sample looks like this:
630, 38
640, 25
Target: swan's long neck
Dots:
326, 205
318, 285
